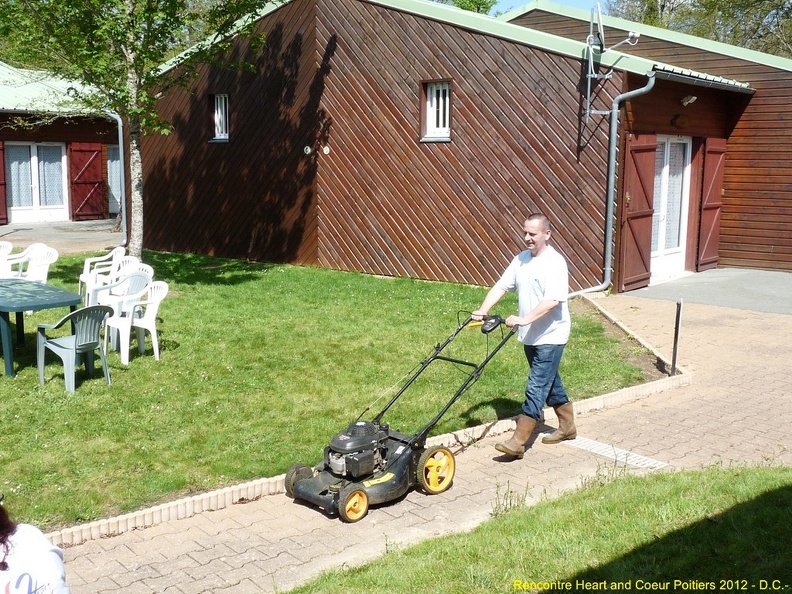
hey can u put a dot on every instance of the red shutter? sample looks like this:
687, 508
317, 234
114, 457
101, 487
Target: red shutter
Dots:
711, 203
3, 205
87, 183
635, 240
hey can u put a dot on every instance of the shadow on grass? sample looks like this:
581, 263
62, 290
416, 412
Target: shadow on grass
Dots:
186, 269
504, 408
744, 548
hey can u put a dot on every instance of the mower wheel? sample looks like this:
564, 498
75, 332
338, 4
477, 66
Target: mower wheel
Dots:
298, 472
436, 468
352, 504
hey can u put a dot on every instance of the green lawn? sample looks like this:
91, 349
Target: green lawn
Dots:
260, 365
716, 530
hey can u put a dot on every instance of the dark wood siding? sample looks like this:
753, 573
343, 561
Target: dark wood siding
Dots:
254, 195
59, 130
380, 200
392, 204
756, 221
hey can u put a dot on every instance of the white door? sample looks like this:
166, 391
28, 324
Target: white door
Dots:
36, 182
671, 200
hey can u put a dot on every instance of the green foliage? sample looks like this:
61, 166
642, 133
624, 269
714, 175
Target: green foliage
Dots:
260, 366
763, 25
478, 6
114, 47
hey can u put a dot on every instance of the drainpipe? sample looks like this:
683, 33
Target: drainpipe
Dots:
122, 204
611, 197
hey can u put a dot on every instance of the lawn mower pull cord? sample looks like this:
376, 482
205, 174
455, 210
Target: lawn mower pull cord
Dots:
369, 463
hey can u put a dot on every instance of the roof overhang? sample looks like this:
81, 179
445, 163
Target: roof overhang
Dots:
690, 77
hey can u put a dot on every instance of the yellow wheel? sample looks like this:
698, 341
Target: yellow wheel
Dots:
436, 468
352, 504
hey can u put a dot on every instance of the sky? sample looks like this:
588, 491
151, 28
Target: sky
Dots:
507, 5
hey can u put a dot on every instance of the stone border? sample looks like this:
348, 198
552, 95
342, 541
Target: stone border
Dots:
249, 491
245, 492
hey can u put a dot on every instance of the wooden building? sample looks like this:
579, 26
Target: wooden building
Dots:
57, 162
746, 218
410, 138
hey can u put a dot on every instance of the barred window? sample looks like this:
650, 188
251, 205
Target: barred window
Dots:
220, 117
437, 111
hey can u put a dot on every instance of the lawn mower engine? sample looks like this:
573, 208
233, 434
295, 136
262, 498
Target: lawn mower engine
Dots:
357, 452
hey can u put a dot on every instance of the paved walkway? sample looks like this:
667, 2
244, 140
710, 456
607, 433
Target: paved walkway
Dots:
67, 237
737, 410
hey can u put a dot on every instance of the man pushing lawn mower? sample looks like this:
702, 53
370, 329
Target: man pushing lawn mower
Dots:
540, 278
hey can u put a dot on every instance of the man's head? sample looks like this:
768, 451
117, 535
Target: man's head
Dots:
537, 230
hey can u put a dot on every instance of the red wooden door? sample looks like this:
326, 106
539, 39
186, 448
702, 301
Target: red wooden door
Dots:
635, 239
3, 205
711, 203
87, 181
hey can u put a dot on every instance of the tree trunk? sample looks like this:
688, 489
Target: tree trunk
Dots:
135, 247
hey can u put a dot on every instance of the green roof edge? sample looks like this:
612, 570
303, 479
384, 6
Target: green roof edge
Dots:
488, 25
716, 47
498, 27
475, 22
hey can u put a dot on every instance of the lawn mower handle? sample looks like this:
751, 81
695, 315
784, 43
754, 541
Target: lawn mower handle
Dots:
487, 323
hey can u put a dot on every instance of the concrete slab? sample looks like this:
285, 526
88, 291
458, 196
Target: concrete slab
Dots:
739, 288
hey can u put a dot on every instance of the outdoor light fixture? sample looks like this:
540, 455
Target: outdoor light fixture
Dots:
688, 100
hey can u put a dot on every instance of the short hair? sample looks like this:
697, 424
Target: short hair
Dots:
542, 218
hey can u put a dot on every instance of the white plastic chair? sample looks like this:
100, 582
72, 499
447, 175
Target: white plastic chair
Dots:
126, 290
33, 262
13, 262
98, 269
142, 317
85, 341
6, 247
123, 292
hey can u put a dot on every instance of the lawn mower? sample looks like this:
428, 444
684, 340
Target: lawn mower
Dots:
370, 463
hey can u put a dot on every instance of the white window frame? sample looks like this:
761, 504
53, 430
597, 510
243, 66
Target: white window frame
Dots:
437, 111
37, 212
221, 118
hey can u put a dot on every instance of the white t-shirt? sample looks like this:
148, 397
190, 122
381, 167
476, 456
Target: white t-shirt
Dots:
536, 279
34, 564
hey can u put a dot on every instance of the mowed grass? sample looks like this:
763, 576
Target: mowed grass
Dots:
716, 530
260, 365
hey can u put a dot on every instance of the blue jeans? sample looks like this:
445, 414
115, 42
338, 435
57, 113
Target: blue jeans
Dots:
544, 383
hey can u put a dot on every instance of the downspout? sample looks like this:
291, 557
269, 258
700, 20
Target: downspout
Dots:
122, 204
610, 200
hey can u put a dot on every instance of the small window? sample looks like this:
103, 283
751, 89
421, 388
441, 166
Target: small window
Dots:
220, 117
437, 111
